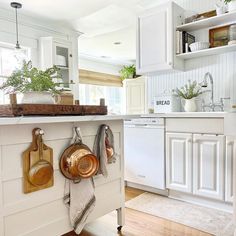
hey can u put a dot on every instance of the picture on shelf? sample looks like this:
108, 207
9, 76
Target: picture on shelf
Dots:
219, 36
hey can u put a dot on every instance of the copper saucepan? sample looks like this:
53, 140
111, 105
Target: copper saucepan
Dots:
78, 161
42, 171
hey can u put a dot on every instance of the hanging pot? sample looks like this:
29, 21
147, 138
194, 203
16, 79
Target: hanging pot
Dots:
78, 161
42, 171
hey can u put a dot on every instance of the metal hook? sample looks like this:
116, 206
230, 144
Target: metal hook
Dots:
78, 137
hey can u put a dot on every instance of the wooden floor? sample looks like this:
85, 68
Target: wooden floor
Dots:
137, 224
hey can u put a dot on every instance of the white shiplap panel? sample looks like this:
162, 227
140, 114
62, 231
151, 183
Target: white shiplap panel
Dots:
222, 67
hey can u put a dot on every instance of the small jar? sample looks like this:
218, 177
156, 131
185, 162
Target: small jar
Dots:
232, 34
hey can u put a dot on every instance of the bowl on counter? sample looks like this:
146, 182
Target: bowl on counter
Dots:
199, 46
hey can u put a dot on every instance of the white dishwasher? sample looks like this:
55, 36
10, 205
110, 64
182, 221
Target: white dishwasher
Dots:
144, 152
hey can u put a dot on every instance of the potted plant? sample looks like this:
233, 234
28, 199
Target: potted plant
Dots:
128, 72
188, 93
231, 5
37, 86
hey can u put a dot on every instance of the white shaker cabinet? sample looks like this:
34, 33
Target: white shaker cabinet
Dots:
156, 44
230, 152
135, 91
208, 166
179, 161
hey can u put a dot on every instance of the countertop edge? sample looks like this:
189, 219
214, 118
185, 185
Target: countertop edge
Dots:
68, 119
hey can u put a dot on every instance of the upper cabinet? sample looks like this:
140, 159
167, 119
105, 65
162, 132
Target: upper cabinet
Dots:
57, 52
156, 44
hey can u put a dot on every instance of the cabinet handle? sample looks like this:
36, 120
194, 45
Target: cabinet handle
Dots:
142, 176
70, 55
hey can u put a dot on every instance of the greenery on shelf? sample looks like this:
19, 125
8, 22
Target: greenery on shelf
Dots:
227, 1
128, 72
31, 79
189, 90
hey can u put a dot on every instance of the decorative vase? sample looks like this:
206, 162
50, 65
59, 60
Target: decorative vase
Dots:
232, 6
37, 98
190, 105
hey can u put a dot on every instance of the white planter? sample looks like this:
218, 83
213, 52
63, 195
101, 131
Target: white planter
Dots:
190, 105
37, 98
232, 6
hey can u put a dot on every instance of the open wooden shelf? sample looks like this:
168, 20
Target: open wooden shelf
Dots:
207, 52
227, 18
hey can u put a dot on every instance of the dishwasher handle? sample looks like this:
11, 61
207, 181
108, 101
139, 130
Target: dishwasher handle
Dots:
146, 126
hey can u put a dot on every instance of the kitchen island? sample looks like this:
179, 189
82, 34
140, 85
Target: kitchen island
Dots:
43, 212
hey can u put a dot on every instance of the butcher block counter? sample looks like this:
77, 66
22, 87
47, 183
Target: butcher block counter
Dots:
43, 212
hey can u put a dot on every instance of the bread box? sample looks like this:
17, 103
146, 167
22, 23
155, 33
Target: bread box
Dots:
167, 103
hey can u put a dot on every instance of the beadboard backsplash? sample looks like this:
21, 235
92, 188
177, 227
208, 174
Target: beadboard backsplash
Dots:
222, 67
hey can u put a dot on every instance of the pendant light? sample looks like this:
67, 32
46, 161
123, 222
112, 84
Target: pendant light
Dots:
19, 53
17, 6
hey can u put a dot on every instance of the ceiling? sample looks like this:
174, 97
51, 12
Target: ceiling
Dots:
103, 22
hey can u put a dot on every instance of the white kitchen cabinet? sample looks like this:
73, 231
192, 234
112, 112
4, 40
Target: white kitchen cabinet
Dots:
179, 161
135, 90
230, 152
57, 52
156, 45
208, 166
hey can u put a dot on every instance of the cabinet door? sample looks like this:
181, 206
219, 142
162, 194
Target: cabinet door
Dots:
179, 161
230, 152
135, 96
154, 40
208, 166
63, 60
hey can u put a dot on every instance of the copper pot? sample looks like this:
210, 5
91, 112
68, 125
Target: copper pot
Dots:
78, 161
42, 171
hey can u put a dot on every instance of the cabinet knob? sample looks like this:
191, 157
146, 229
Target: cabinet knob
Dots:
70, 55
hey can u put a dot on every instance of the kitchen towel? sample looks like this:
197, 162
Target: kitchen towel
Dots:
104, 138
80, 199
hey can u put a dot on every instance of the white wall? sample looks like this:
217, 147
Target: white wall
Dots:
222, 66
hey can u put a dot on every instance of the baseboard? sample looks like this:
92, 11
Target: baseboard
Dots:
210, 203
146, 188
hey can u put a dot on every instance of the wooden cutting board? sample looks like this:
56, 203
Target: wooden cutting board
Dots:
31, 157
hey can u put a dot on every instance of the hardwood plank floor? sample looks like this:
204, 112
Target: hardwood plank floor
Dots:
137, 224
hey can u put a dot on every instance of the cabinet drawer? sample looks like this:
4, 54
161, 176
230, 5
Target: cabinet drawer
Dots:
195, 125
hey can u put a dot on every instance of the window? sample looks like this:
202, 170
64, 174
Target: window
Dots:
8, 63
91, 94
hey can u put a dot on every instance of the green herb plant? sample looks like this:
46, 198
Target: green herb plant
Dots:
127, 72
227, 1
29, 79
189, 90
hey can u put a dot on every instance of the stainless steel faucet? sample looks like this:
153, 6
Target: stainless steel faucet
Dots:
212, 105
204, 84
